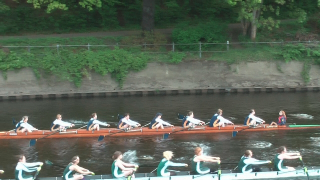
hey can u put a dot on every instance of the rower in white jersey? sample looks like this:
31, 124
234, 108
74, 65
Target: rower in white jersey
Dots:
121, 169
94, 124
190, 121
157, 122
218, 121
60, 125
246, 162
251, 119
127, 123
23, 167
25, 126
75, 172
198, 160
165, 163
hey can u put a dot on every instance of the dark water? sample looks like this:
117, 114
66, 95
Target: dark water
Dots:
96, 156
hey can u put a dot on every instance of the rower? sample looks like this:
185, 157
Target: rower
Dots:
165, 163
23, 167
190, 121
127, 123
198, 160
24, 126
282, 119
121, 169
93, 123
73, 171
281, 156
252, 120
158, 122
246, 162
59, 125
218, 121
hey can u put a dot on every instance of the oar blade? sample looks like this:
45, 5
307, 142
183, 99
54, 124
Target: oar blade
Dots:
32, 142
166, 136
180, 116
100, 138
48, 162
234, 133
14, 121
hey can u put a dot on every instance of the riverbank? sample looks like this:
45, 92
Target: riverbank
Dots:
188, 77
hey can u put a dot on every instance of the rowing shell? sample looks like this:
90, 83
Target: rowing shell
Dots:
145, 131
225, 175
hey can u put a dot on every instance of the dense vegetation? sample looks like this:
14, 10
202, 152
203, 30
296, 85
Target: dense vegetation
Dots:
192, 21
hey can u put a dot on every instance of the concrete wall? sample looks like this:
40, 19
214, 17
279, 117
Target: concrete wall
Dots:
160, 77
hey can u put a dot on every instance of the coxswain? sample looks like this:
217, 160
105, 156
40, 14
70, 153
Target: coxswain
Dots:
252, 120
218, 121
24, 126
127, 123
198, 160
73, 171
157, 122
165, 163
94, 124
121, 169
281, 156
190, 121
23, 167
246, 162
282, 119
60, 125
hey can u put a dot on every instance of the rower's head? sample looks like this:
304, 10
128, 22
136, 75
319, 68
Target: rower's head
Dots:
59, 117
198, 151
248, 153
219, 111
127, 115
190, 113
117, 155
94, 115
282, 149
158, 115
25, 118
252, 111
168, 155
22, 158
282, 113
75, 160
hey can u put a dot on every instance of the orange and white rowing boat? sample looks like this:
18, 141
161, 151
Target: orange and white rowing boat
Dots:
145, 131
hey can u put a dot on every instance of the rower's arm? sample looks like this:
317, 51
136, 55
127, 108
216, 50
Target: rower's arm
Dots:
163, 122
63, 123
170, 163
207, 158
125, 166
100, 123
80, 169
28, 126
226, 121
286, 156
132, 123
255, 161
293, 154
257, 119
194, 121
33, 164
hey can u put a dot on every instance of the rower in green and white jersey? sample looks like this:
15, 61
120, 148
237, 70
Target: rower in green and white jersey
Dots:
165, 163
23, 167
73, 171
198, 160
282, 155
121, 169
246, 162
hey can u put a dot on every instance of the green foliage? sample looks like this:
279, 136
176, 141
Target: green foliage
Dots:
305, 73
210, 32
176, 57
72, 65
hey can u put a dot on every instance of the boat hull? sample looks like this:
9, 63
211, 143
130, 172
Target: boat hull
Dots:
113, 132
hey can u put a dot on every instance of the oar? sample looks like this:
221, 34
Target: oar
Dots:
304, 167
219, 170
234, 133
101, 137
37, 173
33, 141
166, 135
52, 164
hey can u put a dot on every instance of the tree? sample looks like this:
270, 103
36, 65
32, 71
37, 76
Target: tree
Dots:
148, 7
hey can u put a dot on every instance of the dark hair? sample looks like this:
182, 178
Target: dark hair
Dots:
126, 114
74, 158
251, 111
281, 149
158, 114
116, 154
93, 115
21, 157
190, 112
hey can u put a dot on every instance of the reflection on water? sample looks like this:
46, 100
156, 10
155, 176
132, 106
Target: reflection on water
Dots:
96, 156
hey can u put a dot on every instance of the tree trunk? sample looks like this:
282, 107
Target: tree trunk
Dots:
148, 15
255, 19
245, 25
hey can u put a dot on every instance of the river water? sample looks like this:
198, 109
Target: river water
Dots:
301, 108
